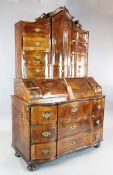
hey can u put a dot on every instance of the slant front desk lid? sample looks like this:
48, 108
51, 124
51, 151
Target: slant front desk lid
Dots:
51, 90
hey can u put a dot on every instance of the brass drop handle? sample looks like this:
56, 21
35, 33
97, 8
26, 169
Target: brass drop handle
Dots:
46, 151
46, 115
37, 71
46, 134
98, 122
37, 30
74, 109
37, 43
73, 126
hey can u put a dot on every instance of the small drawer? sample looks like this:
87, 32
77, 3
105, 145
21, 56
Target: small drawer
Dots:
34, 58
97, 135
69, 127
81, 48
97, 112
36, 43
33, 29
75, 110
43, 133
36, 71
80, 36
43, 151
44, 114
71, 143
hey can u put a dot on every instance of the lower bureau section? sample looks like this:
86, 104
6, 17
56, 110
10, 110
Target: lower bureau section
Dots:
74, 142
43, 151
45, 132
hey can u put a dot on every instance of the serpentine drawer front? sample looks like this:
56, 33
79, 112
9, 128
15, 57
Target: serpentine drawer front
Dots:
56, 107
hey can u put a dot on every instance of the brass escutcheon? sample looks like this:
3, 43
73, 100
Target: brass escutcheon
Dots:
73, 126
37, 43
74, 109
37, 71
46, 151
46, 134
98, 122
37, 30
46, 115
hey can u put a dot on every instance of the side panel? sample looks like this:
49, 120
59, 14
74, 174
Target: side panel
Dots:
97, 120
20, 128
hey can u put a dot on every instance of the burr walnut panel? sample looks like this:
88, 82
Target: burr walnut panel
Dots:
43, 133
43, 114
74, 142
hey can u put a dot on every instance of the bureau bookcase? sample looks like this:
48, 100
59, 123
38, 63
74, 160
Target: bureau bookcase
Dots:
56, 107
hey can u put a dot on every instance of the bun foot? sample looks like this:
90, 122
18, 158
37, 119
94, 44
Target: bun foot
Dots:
31, 167
17, 154
97, 146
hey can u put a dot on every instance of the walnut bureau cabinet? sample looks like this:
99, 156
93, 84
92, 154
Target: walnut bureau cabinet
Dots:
56, 107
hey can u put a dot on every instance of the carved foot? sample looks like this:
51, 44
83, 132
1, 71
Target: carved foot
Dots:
17, 154
97, 146
31, 167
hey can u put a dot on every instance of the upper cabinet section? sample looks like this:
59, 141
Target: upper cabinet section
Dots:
54, 46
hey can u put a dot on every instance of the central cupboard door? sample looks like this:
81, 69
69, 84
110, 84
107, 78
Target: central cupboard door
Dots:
61, 43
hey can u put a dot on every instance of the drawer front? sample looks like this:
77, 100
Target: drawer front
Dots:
80, 48
75, 110
43, 133
98, 113
70, 127
44, 114
35, 29
97, 135
43, 151
77, 141
36, 43
34, 58
36, 71
80, 36
81, 65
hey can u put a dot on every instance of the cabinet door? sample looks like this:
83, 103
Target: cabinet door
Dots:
61, 42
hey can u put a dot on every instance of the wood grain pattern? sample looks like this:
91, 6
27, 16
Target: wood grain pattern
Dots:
43, 133
44, 114
20, 128
43, 151
74, 142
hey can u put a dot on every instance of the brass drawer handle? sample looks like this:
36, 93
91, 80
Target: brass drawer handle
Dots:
98, 122
46, 134
37, 57
99, 107
37, 71
73, 126
37, 30
37, 43
46, 115
74, 110
46, 151
72, 143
